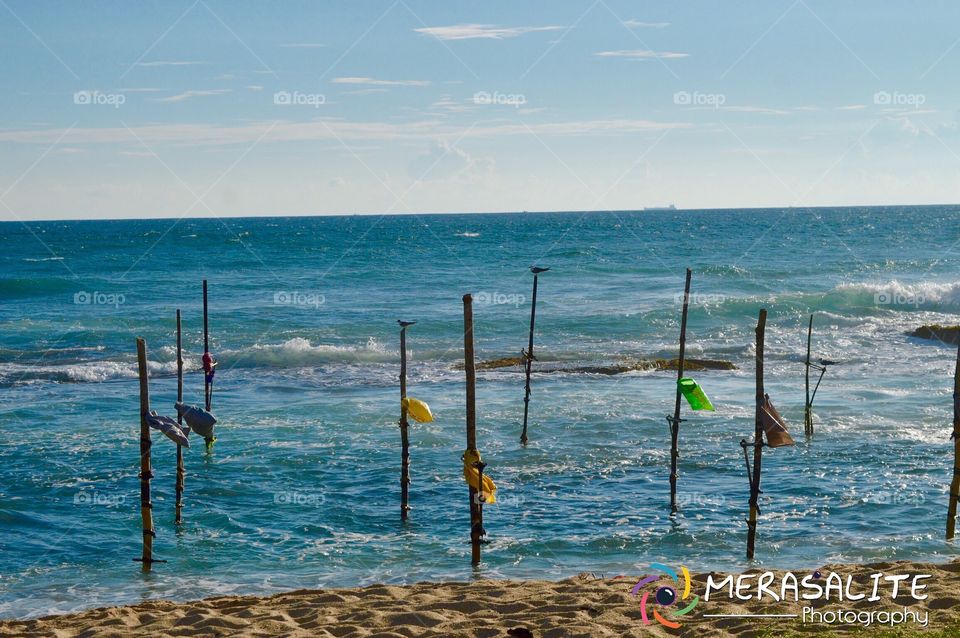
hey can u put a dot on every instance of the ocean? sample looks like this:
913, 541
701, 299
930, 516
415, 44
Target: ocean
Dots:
302, 487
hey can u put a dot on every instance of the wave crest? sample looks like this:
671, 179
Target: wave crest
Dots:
925, 294
299, 352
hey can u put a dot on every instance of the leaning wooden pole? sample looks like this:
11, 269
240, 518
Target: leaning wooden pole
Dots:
675, 421
404, 426
528, 354
757, 440
146, 506
178, 516
808, 409
955, 483
476, 511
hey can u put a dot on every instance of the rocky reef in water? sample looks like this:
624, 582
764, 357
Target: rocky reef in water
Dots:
946, 334
689, 365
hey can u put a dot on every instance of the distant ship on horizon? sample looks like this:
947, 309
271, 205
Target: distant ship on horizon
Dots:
670, 207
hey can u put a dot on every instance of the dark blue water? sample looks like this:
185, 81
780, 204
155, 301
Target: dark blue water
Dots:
302, 489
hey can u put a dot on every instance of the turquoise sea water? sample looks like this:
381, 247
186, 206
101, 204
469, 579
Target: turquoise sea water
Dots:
302, 489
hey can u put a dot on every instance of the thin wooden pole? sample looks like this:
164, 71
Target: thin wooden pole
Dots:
146, 506
206, 332
757, 440
528, 355
955, 483
808, 409
180, 472
675, 421
207, 378
476, 511
404, 426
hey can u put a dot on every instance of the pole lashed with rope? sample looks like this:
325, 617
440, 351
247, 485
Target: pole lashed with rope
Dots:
178, 516
757, 441
675, 420
209, 367
955, 483
808, 407
404, 424
476, 507
528, 357
146, 472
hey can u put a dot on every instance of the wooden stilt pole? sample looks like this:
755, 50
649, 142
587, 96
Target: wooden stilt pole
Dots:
675, 421
146, 506
528, 354
808, 409
955, 483
404, 424
207, 378
178, 519
757, 440
476, 510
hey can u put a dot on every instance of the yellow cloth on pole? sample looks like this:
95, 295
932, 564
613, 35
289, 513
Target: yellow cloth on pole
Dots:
417, 409
472, 476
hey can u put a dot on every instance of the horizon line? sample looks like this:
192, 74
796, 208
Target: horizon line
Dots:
648, 209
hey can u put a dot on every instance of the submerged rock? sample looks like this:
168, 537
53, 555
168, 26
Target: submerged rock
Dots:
694, 365
689, 365
493, 364
946, 334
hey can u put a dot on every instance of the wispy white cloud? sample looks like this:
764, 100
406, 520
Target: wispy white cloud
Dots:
444, 161
852, 107
366, 91
253, 87
762, 110
186, 95
447, 103
638, 24
642, 54
145, 89
156, 63
919, 112
329, 130
483, 31
375, 82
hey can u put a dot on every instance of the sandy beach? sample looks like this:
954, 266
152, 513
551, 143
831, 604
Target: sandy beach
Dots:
587, 605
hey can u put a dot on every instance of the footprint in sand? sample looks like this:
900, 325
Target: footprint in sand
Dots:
943, 603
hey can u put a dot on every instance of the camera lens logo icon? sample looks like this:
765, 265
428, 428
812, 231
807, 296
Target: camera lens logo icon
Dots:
668, 593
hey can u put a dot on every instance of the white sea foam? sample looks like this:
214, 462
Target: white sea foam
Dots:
924, 294
301, 352
85, 372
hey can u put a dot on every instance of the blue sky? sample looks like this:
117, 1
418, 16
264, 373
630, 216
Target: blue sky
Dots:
206, 108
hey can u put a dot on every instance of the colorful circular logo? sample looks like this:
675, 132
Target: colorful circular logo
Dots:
668, 593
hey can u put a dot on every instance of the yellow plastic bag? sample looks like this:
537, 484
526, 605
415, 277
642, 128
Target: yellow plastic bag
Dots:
472, 476
419, 410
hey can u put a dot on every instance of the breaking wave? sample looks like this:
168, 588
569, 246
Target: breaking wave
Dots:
925, 294
299, 352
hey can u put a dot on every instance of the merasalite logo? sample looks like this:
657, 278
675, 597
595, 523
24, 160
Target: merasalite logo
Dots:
669, 594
